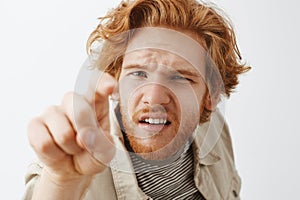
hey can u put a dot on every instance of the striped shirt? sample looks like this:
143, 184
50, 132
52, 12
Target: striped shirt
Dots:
174, 180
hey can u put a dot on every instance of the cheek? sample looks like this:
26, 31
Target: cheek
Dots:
124, 102
129, 97
189, 98
200, 94
191, 105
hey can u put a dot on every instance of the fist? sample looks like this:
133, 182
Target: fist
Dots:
73, 139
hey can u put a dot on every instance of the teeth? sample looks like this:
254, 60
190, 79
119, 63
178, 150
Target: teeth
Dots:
155, 121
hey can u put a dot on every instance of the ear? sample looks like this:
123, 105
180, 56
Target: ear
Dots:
211, 101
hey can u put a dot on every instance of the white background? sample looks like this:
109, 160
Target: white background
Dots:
42, 47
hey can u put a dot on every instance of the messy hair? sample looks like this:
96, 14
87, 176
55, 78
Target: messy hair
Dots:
212, 27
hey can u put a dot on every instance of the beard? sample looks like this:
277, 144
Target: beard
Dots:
163, 144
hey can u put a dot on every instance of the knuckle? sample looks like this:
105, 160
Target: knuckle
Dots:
65, 137
44, 147
67, 102
68, 97
82, 112
33, 127
39, 144
32, 123
82, 109
51, 110
72, 102
78, 109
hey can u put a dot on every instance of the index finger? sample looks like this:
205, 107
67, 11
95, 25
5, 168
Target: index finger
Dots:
101, 85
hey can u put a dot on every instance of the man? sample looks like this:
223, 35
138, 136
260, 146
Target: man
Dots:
148, 126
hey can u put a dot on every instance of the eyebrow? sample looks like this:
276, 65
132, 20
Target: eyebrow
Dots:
181, 68
131, 66
179, 71
188, 72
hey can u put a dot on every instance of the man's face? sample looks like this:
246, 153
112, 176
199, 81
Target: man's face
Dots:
161, 97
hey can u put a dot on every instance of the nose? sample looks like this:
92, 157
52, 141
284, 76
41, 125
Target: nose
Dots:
155, 94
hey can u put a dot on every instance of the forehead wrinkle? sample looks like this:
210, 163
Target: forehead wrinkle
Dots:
156, 56
185, 44
137, 57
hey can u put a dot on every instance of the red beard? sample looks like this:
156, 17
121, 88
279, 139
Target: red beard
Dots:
160, 145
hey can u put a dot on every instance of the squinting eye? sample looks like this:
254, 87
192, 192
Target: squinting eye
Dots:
181, 78
139, 74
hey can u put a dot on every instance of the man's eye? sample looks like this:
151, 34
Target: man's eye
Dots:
139, 74
181, 78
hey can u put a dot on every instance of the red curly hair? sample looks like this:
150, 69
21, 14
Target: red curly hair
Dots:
213, 28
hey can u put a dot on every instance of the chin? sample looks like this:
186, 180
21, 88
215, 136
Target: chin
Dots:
158, 144
157, 148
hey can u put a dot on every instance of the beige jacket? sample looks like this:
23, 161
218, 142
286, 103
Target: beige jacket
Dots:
215, 173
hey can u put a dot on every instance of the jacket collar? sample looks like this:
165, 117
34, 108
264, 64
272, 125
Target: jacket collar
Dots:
206, 136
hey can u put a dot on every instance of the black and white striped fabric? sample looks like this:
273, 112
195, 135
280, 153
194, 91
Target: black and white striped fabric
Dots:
170, 181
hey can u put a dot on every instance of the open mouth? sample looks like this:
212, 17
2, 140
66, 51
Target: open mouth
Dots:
152, 122
155, 121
